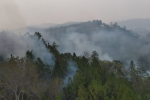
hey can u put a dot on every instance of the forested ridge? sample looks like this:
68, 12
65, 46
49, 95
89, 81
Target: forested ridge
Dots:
72, 77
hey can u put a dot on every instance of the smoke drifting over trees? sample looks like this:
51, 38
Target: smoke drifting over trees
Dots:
17, 45
110, 41
72, 68
140, 26
88, 60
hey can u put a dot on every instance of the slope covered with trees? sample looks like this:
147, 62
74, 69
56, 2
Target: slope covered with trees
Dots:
71, 77
110, 41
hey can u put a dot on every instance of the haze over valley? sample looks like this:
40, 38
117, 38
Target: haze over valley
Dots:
74, 50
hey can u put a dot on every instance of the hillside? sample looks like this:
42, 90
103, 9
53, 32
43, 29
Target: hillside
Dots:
110, 41
81, 61
140, 26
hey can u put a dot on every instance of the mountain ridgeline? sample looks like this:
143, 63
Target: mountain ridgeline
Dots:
112, 42
82, 61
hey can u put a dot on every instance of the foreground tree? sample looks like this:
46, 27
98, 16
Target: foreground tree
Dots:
20, 76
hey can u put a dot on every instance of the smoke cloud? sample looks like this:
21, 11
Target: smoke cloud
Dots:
117, 44
10, 15
72, 68
111, 45
140, 26
17, 45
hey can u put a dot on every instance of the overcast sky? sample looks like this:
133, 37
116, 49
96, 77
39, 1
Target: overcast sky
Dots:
18, 13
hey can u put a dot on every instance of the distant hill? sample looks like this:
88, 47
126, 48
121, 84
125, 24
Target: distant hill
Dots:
86, 60
112, 42
141, 26
41, 27
49, 25
85, 28
45, 25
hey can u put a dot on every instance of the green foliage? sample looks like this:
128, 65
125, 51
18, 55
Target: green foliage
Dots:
104, 80
19, 76
38, 34
29, 55
61, 64
59, 97
94, 55
97, 80
94, 80
95, 89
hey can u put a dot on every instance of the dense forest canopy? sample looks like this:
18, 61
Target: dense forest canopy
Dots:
82, 61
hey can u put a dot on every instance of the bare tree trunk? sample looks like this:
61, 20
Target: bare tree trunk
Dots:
3, 97
17, 96
22, 95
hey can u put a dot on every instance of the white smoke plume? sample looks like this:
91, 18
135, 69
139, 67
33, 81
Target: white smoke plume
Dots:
118, 44
111, 45
72, 68
10, 15
17, 45
78, 43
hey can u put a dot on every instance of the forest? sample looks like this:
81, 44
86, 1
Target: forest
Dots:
44, 72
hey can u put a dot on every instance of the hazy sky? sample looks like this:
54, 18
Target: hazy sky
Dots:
18, 13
